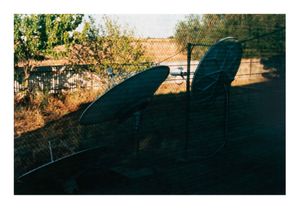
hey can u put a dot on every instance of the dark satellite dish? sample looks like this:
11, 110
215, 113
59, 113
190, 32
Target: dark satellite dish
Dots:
217, 67
212, 78
60, 176
125, 98
129, 97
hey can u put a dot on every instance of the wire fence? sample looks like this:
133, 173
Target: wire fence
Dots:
256, 108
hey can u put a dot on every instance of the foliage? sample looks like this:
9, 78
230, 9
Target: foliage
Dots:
35, 36
208, 29
103, 46
26, 39
107, 45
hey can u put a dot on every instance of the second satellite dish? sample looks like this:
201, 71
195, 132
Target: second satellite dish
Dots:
218, 66
125, 98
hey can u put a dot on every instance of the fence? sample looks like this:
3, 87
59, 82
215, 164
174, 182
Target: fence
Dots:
253, 114
56, 79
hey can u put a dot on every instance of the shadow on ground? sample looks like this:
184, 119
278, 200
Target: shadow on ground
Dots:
252, 162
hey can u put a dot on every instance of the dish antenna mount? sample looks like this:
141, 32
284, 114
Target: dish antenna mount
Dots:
125, 99
213, 76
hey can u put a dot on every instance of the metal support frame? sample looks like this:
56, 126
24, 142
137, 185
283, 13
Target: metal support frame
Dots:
188, 99
50, 151
137, 122
188, 95
226, 112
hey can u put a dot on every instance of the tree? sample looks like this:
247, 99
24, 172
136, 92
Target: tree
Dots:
208, 29
190, 31
26, 44
107, 45
35, 36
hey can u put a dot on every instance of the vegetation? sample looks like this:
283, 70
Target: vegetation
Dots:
208, 29
107, 45
38, 37
44, 108
35, 37
50, 36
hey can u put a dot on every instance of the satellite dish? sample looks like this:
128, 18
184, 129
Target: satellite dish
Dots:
217, 67
60, 175
125, 98
213, 76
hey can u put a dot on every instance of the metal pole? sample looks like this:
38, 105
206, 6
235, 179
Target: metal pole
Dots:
137, 116
250, 67
226, 113
50, 150
187, 119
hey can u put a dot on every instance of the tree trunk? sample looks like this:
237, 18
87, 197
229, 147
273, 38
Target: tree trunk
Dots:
26, 70
27, 91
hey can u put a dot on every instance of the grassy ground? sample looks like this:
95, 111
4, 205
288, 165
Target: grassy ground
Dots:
253, 161
42, 108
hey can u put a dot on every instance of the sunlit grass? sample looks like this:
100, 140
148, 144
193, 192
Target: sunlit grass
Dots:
41, 109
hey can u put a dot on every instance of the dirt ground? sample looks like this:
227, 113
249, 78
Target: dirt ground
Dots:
251, 162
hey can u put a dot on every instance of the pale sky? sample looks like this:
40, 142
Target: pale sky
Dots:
147, 25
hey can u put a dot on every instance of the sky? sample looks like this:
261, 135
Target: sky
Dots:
147, 25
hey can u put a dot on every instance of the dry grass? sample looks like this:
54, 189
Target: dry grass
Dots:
248, 80
45, 108
26, 120
73, 100
160, 49
42, 109
171, 88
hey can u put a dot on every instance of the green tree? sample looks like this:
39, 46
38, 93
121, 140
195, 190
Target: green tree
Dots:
107, 45
59, 29
26, 43
36, 35
208, 29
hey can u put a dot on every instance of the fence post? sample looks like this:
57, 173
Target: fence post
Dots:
250, 67
189, 51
